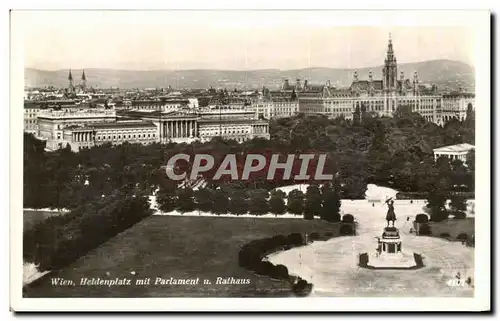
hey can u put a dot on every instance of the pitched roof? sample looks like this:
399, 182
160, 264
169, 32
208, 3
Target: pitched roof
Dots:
455, 148
124, 124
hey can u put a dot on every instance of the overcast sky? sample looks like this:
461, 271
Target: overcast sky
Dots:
229, 40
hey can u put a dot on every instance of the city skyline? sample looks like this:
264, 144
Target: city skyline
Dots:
227, 41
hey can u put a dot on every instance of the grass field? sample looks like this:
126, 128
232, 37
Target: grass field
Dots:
178, 247
453, 227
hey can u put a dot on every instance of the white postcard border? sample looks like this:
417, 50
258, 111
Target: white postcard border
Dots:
479, 21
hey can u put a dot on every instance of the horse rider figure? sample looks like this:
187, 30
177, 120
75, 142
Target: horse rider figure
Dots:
391, 215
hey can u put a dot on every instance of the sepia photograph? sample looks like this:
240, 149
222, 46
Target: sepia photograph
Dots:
319, 157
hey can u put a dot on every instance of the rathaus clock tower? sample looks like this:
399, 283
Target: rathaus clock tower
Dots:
390, 80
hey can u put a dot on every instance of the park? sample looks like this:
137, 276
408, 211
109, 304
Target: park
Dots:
111, 213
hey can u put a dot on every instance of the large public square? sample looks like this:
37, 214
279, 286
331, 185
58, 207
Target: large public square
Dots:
200, 246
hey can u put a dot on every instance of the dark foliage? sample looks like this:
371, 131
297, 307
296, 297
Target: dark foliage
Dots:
421, 218
348, 218
424, 229
346, 229
302, 288
60, 240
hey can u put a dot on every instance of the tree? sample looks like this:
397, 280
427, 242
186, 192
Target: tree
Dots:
167, 200
238, 203
220, 203
185, 200
436, 199
313, 206
204, 199
331, 203
277, 203
458, 206
295, 203
258, 202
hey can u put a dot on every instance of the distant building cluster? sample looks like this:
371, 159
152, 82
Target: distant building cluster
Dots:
80, 116
377, 96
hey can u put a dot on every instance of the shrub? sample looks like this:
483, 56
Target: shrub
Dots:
280, 272
421, 218
265, 268
363, 259
249, 257
459, 215
418, 259
348, 218
424, 229
328, 235
346, 229
279, 241
302, 288
314, 236
295, 239
55, 243
445, 234
462, 236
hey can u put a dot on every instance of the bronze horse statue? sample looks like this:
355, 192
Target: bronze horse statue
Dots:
391, 215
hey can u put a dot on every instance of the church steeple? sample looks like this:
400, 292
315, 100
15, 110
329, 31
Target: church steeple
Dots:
70, 79
84, 80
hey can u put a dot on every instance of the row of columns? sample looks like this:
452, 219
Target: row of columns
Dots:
82, 137
260, 129
179, 129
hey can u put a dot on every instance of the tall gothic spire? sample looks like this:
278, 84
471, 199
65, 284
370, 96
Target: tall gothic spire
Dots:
70, 76
390, 50
83, 75
390, 68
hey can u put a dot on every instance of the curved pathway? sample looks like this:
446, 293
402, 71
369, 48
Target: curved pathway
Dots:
332, 265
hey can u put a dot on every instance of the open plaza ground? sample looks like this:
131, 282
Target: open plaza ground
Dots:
206, 247
332, 266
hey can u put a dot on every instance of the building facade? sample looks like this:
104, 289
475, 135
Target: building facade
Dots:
379, 96
115, 133
52, 123
186, 126
454, 152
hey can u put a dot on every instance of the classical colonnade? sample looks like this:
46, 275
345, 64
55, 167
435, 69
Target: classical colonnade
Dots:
179, 128
82, 136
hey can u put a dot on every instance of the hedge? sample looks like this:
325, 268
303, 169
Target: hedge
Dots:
422, 218
251, 255
60, 240
424, 229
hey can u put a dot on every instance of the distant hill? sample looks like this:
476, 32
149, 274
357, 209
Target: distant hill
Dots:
444, 73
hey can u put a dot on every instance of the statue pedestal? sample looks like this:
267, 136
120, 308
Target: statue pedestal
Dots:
389, 254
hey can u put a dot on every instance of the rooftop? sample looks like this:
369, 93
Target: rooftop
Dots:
455, 148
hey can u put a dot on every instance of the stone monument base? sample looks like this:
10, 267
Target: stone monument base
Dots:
391, 261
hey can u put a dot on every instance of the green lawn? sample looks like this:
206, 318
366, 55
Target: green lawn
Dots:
453, 227
178, 247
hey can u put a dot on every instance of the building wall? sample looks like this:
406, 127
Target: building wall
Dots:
31, 120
